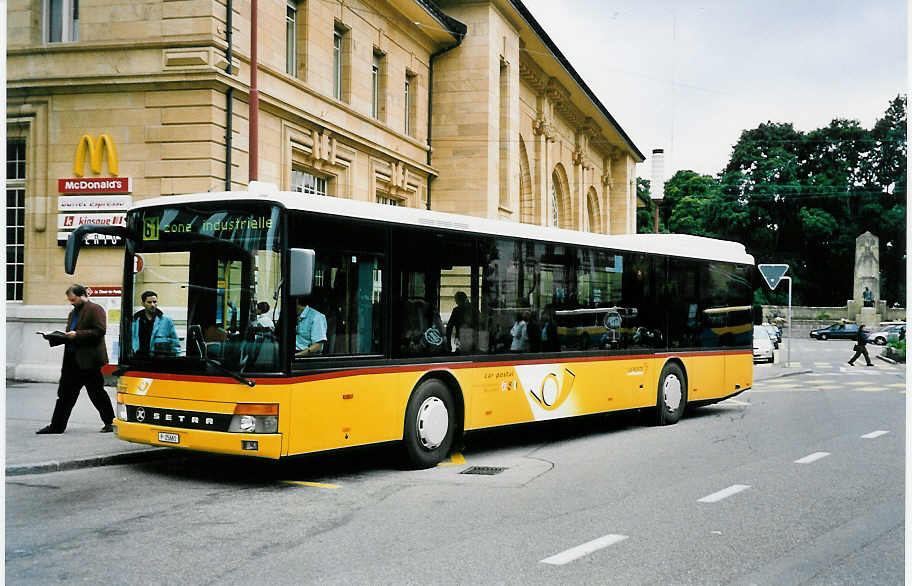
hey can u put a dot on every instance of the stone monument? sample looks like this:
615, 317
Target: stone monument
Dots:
866, 306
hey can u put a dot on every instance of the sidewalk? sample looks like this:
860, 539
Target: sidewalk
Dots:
28, 409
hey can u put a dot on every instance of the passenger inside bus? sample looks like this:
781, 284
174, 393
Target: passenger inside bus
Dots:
310, 331
462, 326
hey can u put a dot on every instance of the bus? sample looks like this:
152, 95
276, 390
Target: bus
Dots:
416, 309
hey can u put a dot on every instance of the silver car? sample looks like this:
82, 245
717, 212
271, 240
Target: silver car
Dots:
763, 346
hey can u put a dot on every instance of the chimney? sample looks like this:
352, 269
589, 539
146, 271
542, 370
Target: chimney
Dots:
657, 181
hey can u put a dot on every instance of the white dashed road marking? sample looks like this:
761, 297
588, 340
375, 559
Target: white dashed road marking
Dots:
724, 493
581, 550
874, 434
812, 458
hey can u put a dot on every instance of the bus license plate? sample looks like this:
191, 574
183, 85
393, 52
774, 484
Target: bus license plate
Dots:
171, 438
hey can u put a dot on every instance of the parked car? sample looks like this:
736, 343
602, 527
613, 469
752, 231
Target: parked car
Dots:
763, 346
836, 332
888, 334
775, 336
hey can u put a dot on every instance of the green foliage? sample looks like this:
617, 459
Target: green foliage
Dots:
823, 315
896, 350
802, 198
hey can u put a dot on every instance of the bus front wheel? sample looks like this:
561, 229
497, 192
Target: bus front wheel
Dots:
672, 395
430, 424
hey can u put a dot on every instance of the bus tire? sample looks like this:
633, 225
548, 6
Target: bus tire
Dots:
430, 424
672, 395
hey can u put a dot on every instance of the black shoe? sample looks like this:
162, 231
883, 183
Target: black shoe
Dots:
108, 428
872, 364
49, 429
851, 363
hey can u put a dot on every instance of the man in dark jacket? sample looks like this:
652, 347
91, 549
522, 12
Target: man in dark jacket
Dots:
83, 357
860, 348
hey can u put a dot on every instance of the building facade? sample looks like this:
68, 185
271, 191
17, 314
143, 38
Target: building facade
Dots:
458, 106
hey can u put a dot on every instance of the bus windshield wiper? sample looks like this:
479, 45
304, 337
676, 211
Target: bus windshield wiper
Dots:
225, 370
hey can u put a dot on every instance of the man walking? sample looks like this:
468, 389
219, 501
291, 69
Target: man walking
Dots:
84, 355
860, 348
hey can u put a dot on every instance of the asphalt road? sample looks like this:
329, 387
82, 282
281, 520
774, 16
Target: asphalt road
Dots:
798, 481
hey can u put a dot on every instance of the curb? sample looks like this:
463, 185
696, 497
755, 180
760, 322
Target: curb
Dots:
885, 359
112, 460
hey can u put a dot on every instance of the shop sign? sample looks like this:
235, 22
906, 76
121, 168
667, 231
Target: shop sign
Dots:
99, 291
94, 203
96, 185
73, 221
95, 152
90, 240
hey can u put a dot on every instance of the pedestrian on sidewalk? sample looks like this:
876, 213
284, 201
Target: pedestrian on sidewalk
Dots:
860, 349
83, 356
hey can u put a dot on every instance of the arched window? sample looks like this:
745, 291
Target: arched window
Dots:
527, 211
593, 212
560, 205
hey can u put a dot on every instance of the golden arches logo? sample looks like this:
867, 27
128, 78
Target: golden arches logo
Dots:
95, 150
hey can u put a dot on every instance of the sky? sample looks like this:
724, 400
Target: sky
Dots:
689, 76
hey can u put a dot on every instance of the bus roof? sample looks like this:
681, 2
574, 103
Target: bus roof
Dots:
680, 245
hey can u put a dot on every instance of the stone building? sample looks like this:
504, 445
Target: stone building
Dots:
457, 105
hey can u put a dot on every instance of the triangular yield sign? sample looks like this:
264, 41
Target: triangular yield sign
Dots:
772, 274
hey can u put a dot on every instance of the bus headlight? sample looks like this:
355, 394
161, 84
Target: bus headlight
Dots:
255, 418
121, 408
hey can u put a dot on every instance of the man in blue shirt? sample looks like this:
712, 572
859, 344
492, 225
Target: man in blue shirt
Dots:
153, 331
310, 332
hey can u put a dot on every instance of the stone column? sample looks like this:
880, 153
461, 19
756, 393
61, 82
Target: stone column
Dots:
867, 276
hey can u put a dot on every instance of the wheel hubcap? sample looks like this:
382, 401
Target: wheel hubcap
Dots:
671, 390
432, 423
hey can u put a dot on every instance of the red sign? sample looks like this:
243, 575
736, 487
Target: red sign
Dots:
96, 185
137, 264
104, 291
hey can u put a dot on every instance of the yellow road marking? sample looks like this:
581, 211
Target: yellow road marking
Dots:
857, 383
315, 484
455, 460
822, 382
823, 364
897, 385
828, 387
871, 389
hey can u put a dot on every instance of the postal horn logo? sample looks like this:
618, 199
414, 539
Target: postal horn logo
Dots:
95, 150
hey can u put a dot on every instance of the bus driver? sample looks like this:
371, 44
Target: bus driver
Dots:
310, 332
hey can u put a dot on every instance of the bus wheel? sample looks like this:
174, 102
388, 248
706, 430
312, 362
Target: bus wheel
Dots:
430, 424
672, 395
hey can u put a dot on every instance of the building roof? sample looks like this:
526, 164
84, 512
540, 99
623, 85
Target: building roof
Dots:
565, 64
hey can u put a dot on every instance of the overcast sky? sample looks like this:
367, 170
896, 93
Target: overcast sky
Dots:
689, 76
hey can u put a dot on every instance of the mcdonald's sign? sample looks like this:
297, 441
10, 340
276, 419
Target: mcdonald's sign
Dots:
96, 151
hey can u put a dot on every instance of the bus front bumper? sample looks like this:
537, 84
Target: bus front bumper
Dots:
263, 445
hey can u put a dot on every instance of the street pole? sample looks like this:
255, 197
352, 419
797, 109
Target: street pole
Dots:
788, 354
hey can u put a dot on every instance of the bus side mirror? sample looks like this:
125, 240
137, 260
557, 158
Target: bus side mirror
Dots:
74, 242
302, 271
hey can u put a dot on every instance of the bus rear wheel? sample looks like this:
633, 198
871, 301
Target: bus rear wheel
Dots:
430, 424
672, 395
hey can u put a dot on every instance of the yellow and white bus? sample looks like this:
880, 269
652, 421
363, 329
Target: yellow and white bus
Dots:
419, 309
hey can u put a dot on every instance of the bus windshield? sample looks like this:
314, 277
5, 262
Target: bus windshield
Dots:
206, 289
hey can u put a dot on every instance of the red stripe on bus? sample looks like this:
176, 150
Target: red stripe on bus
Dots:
421, 367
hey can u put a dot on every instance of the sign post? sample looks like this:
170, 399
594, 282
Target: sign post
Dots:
772, 274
